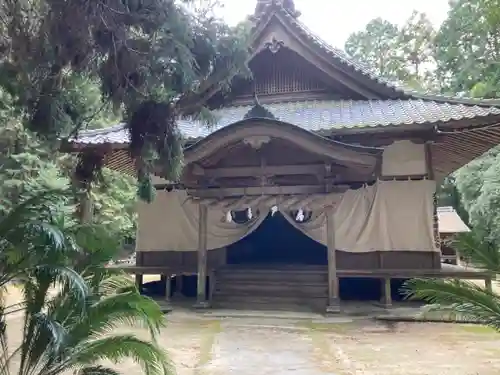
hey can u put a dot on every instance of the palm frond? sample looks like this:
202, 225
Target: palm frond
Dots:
109, 312
481, 252
149, 356
71, 302
97, 370
465, 298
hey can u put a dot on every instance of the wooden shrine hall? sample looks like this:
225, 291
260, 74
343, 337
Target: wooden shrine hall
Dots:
330, 175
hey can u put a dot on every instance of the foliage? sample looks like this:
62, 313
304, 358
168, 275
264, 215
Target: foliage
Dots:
468, 48
399, 54
479, 185
376, 46
465, 298
71, 302
157, 60
29, 165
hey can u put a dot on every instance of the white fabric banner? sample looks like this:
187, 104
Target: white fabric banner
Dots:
387, 216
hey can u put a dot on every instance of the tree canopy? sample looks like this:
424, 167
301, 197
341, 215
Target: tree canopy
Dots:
153, 60
401, 54
66, 66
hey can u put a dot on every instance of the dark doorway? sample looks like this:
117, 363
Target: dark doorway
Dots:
276, 241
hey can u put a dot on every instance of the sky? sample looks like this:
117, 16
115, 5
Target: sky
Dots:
335, 20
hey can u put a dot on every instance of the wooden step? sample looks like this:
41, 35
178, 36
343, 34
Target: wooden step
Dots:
276, 289
270, 294
271, 287
271, 276
269, 303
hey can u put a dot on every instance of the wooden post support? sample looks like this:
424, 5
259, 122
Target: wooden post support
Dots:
168, 287
201, 297
179, 278
386, 292
138, 281
333, 305
488, 285
212, 286
86, 207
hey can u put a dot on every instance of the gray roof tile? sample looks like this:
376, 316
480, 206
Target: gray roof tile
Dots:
320, 115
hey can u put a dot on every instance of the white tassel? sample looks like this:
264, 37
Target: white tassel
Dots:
300, 216
274, 209
249, 213
229, 217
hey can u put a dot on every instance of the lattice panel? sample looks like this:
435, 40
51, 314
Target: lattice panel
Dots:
280, 79
281, 73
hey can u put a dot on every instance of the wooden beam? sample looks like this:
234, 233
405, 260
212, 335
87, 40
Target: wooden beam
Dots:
264, 170
386, 292
264, 190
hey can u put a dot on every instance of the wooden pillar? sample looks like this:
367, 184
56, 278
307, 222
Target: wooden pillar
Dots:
386, 292
138, 280
212, 286
168, 287
179, 279
488, 285
86, 207
201, 297
333, 305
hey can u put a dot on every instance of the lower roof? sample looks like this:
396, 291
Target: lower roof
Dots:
320, 116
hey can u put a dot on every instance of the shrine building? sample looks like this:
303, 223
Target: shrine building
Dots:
317, 171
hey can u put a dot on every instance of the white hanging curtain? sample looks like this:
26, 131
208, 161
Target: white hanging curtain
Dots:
171, 223
387, 216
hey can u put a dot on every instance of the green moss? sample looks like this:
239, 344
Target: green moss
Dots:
476, 328
326, 327
209, 333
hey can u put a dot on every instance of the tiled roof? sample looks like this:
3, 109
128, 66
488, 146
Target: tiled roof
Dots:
450, 222
116, 134
320, 116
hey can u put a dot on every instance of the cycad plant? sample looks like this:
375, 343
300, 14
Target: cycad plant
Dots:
466, 299
72, 304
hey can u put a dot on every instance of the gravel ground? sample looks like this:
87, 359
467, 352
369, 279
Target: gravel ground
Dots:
248, 346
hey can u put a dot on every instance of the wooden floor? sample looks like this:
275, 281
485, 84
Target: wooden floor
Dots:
446, 271
286, 287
